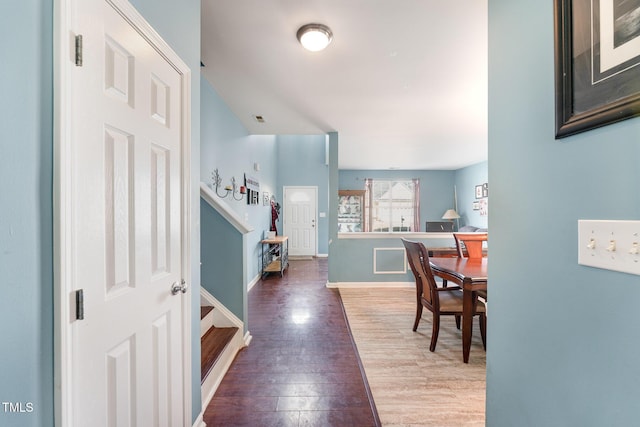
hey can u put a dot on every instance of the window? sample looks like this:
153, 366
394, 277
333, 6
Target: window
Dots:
392, 205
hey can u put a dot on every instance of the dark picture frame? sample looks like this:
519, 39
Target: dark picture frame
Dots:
596, 83
479, 191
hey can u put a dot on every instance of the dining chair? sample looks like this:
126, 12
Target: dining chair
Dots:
472, 243
440, 301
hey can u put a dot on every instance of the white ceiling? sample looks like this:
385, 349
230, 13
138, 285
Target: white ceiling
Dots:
404, 82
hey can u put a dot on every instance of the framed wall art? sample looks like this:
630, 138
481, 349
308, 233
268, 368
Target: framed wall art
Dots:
597, 63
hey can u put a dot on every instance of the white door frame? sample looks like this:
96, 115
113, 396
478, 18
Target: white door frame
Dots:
64, 303
284, 209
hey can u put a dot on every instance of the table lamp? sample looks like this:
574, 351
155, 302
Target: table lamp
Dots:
451, 214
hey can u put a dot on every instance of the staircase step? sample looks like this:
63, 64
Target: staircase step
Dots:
213, 344
204, 310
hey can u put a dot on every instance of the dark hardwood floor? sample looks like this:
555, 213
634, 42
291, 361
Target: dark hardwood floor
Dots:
301, 368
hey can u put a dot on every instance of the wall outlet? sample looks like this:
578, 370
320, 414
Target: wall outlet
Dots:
611, 245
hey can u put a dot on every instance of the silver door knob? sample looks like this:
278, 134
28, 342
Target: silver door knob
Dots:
176, 288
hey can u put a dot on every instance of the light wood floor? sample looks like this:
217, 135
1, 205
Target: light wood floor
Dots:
412, 386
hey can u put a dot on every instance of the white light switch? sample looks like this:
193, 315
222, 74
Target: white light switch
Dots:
612, 245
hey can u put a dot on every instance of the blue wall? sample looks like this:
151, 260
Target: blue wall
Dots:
353, 257
563, 338
285, 160
227, 146
466, 181
436, 188
222, 267
302, 162
26, 246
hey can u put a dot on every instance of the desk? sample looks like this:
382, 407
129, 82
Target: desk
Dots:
471, 275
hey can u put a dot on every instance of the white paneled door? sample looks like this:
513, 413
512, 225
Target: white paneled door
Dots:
126, 219
300, 224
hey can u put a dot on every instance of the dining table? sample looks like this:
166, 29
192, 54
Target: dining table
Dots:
471, 275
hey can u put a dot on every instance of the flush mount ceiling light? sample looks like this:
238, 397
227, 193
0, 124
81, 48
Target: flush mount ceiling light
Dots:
314, 37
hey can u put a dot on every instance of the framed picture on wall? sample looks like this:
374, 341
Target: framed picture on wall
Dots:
478, 191
485, 189
597, 63
484, 207
266, 199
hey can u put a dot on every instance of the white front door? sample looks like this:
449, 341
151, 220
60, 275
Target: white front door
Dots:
299, 220
126, 206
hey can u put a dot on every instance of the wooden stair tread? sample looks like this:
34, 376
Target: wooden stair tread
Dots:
204, 310
213, 344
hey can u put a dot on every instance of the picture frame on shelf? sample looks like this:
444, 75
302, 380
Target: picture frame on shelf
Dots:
597, 64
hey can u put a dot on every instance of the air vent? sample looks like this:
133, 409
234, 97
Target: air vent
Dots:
259, 119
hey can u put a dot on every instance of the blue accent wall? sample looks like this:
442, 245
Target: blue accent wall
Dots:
26, 211
227, 146
302, 162
563, 339
222, 261
334, 178
436, 188
353, 258
466, 181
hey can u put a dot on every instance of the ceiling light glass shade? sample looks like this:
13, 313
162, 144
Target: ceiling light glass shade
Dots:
450, 214
314, 37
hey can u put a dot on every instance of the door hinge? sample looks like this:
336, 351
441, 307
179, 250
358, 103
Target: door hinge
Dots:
79, 50
79, 304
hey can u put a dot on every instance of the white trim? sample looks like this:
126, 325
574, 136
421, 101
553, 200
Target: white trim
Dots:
199, 422
231, 319
62, 210
252, 283
375, 261
395, 235
322, 255
223, 209
186, 223
64, 22
247, 339
371, 285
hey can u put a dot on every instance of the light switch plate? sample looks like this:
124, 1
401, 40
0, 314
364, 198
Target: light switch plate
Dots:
611, 245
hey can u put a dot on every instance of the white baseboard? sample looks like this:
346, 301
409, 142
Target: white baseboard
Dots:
223, 317
322, 255
371, 285
253, 282
247, 339
199, 422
